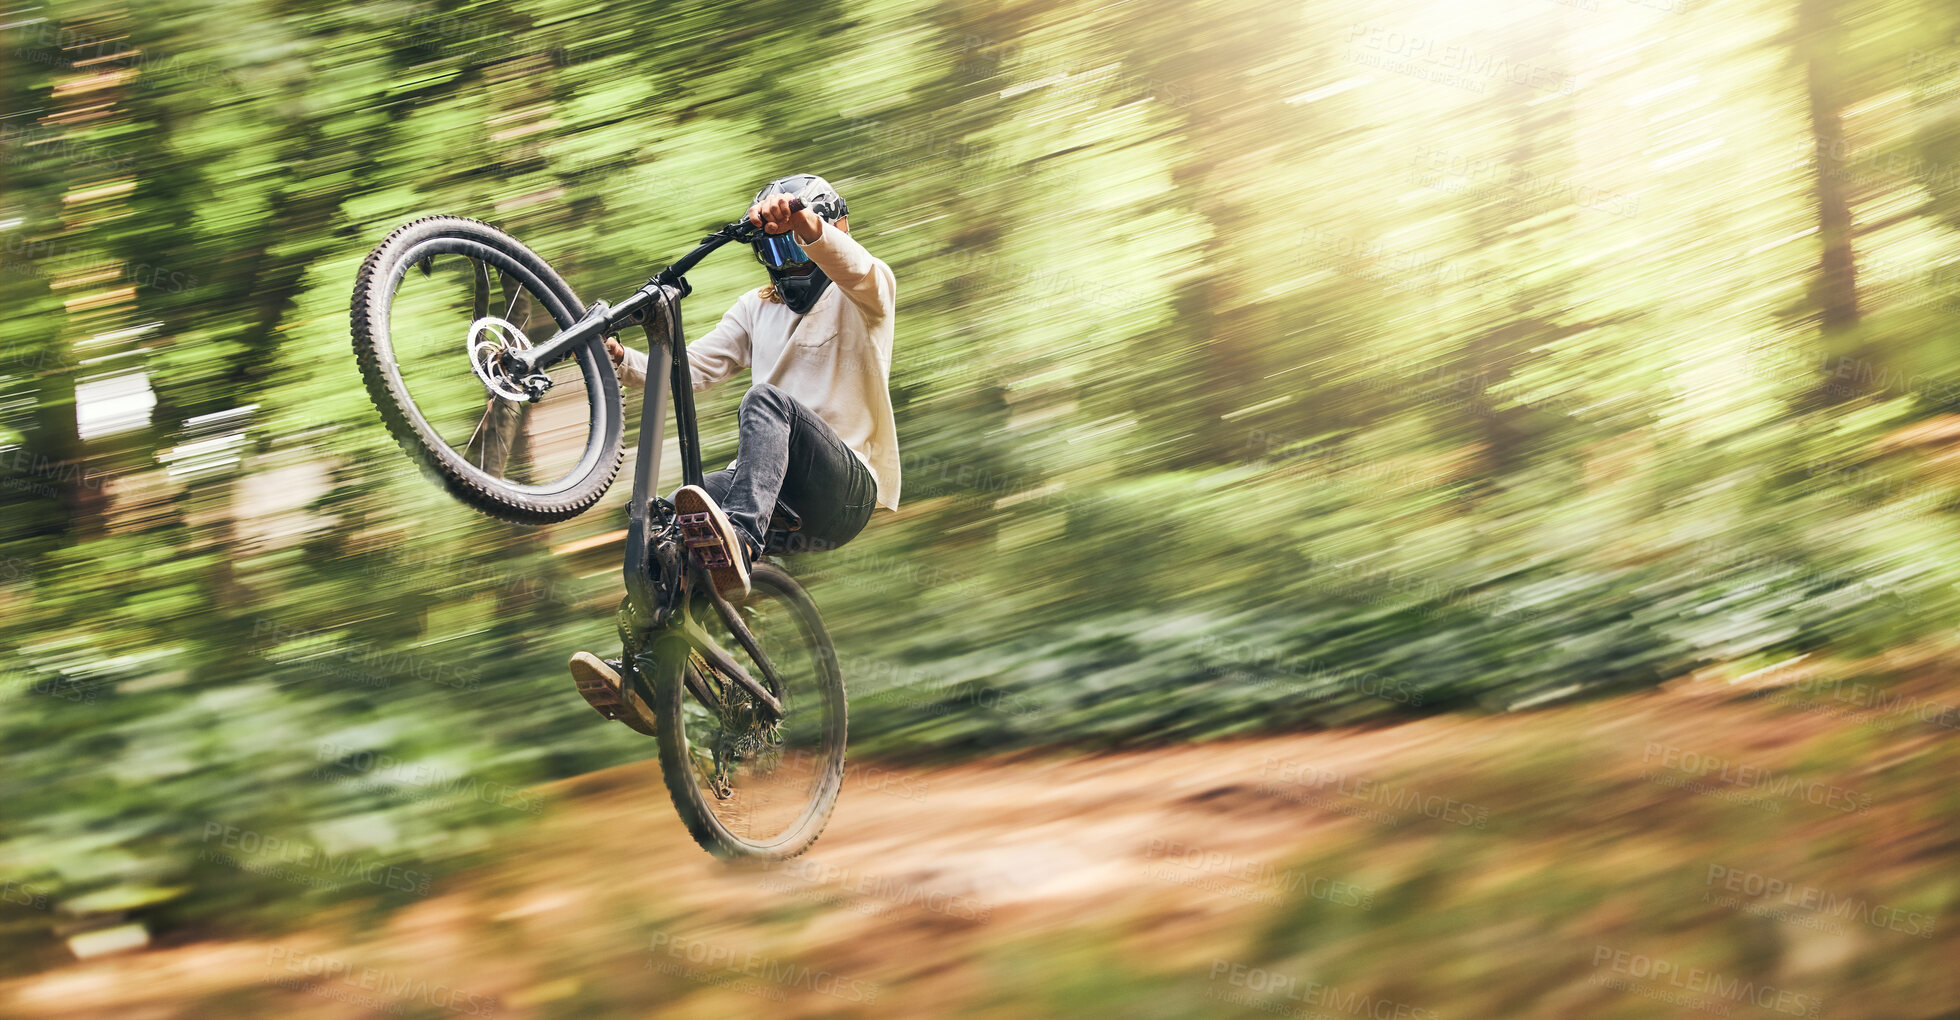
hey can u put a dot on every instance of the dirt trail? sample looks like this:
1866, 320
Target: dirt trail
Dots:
931, 884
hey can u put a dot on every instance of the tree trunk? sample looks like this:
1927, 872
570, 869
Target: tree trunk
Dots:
1818, 36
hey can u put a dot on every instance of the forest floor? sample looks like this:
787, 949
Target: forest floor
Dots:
1772, 848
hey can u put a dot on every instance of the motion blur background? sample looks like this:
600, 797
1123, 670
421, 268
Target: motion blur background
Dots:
1369, 371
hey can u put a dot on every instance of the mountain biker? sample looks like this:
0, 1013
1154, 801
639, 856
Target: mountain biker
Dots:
815, 428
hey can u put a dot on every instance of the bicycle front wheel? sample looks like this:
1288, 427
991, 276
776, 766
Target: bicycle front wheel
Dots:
745, 787
435, 306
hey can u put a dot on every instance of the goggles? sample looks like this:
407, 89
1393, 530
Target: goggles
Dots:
781, 252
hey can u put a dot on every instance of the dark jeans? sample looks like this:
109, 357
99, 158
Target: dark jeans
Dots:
787, 453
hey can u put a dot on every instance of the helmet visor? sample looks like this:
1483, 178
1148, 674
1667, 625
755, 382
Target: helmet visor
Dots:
781, 252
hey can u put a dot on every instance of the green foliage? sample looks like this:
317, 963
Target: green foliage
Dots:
1235, 395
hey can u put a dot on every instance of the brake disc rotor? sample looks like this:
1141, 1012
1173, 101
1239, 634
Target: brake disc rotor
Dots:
490, 338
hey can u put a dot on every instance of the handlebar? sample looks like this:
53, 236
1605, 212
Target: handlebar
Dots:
602, 319
741, 231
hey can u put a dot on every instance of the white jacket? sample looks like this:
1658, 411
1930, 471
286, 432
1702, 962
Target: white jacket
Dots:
836, 359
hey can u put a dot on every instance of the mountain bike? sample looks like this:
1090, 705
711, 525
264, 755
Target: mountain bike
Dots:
491, 377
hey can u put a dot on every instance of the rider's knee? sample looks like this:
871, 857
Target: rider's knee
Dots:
764, 396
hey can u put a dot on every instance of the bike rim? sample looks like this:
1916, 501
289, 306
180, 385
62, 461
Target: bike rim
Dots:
768, 791
453, 304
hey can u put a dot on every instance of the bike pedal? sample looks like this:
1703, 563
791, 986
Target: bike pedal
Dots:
698, 532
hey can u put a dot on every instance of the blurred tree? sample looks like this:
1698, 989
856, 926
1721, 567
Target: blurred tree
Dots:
1819, 41
1190, 371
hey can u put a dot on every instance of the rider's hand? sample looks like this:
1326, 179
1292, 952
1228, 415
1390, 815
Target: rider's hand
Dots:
616, 350
773, 214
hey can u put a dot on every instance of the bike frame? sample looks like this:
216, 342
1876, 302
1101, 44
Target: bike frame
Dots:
662, 582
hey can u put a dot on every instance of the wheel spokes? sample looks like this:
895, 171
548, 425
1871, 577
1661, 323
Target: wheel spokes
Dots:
475, 405
496, 434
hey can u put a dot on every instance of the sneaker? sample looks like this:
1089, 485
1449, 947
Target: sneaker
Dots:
708, 533
598, 682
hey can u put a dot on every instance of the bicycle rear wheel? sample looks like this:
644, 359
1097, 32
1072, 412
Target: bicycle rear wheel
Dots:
747, 789
434, 306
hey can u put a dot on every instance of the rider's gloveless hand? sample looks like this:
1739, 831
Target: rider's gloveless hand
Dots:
778, 213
